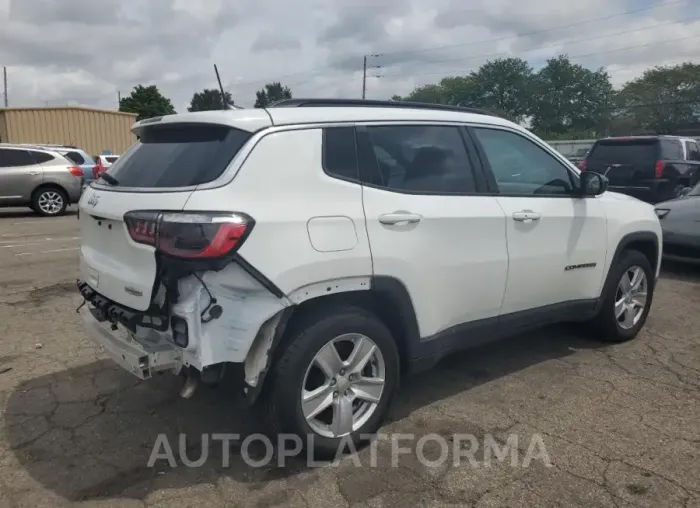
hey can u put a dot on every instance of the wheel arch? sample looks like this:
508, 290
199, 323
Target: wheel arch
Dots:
385, 297
646, 242
48, 185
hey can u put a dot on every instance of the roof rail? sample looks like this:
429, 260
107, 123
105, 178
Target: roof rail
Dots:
365, 103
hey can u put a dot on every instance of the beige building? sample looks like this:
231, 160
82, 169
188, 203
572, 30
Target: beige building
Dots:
93, 130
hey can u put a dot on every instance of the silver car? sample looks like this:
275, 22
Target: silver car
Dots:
680, 222
38, 177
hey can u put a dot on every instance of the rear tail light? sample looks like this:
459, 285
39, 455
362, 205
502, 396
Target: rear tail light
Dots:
75, 171
583, 165
97, 169
189, 235
659, 169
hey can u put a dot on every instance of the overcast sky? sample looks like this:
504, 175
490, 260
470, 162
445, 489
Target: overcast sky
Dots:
84, 51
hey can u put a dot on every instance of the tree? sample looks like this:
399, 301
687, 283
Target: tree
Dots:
146, 102
664, 100
568, 98
209, 99
503, 86
458, 90
272, 93
451, 90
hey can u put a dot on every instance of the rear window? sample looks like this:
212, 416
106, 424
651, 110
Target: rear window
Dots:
178, 155
75, 157
111, 160
624, 151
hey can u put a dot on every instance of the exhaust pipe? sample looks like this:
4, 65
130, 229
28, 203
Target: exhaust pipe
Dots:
191, 384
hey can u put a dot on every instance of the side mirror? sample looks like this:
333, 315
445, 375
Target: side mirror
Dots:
593, 184
685, 191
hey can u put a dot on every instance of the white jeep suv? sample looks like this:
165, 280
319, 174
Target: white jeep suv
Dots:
327, 247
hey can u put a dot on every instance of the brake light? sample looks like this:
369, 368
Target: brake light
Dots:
75, 171
189, 235
659, 169
583, 165
97, 169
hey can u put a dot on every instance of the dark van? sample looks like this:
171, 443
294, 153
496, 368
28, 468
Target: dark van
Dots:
650, 168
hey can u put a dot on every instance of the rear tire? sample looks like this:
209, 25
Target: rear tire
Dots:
626, 301
50, 202
306, 371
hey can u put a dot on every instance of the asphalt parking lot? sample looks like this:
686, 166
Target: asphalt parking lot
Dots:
620, 424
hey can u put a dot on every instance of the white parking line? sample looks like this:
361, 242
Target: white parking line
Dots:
44, 251
62, 239
37, 222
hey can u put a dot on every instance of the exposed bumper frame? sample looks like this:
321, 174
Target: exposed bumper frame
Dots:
115, 313
120, 347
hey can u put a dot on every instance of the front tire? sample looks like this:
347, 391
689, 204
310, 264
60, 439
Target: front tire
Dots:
627, 299
335, 380
50, 202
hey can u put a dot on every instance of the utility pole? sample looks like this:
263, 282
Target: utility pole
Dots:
119, 99
364, 72
224, 104
364, 77
4, 80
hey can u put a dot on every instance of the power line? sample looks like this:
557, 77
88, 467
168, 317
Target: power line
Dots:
487, 55
536, 48
316, 70
445, 72
537, 32
610, 73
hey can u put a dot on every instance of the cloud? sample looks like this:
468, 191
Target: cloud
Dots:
84, 51
270, 41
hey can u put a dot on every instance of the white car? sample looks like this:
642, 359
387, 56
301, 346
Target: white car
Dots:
328, 247
106, 160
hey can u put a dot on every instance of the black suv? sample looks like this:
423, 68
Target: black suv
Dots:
651, 168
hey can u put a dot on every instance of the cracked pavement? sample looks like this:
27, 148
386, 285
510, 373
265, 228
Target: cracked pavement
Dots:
620, 423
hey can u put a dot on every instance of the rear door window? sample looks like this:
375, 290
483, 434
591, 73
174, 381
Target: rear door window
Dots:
692, 148
41, 157
671, 149
693, 153
339, 153
178, 155
420, 159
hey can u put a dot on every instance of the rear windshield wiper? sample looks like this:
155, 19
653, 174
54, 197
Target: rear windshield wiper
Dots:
109, 179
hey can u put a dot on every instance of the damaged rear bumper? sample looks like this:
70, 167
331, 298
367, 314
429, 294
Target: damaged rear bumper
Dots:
247, 326
119, 345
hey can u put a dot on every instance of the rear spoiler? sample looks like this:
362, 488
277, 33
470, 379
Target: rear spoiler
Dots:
246, 119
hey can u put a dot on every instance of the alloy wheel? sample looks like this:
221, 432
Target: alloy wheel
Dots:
343, 385
50, 202
631, 297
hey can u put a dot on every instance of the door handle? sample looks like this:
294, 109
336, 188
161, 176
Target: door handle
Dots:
526, 215
400, 218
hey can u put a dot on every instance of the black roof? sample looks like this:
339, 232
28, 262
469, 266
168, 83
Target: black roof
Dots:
644, 136
366, 103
